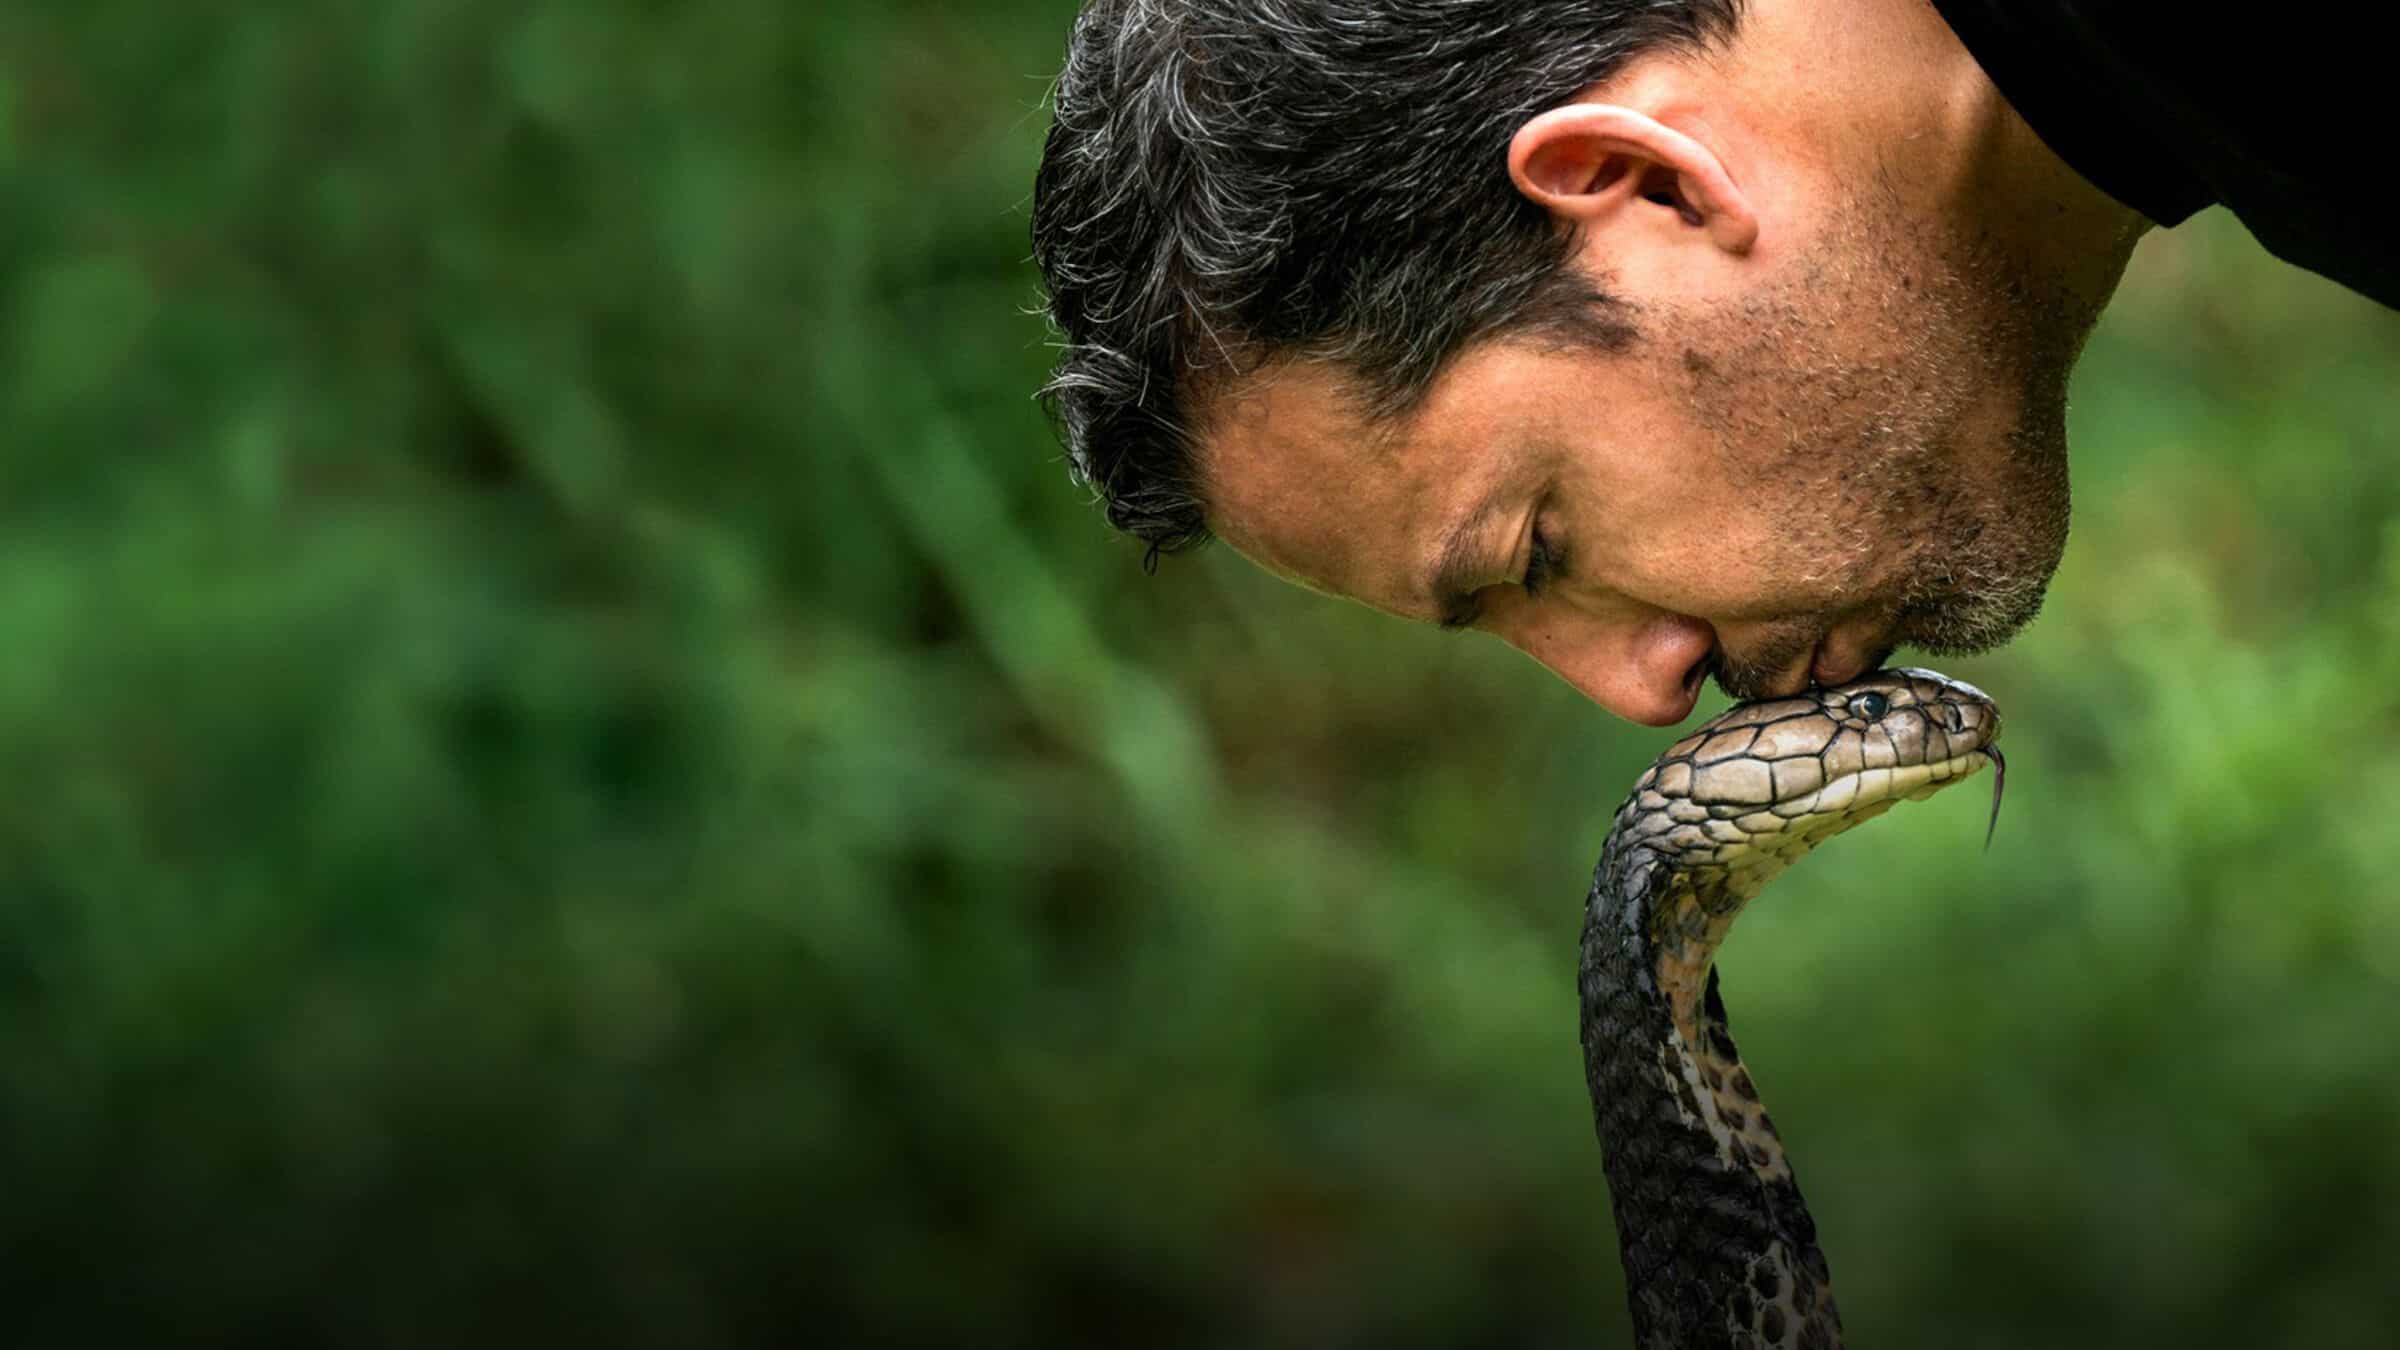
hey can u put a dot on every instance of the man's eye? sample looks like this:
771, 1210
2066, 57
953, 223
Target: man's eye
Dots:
1541, 564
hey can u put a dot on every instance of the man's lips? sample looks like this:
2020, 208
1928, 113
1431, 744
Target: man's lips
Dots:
1842, 657
1830, 666
1837, 657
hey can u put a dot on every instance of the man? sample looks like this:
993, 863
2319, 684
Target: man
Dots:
1657, 338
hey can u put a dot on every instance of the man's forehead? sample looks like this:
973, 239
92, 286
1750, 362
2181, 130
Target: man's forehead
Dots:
1302, 414
1400, 513
1294, 401
1301, 480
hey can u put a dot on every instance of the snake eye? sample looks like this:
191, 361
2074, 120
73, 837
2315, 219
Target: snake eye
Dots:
1870, 706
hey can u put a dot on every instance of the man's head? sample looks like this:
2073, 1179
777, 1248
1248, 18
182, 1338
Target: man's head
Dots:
1654, 338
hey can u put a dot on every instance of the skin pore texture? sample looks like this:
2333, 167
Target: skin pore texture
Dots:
1859, 285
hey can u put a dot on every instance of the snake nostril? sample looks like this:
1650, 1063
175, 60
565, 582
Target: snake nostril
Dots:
1954, 716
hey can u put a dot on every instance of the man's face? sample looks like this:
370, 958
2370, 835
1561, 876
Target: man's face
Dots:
1865, 449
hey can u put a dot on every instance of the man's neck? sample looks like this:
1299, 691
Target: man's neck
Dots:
2047, 212
1889, 79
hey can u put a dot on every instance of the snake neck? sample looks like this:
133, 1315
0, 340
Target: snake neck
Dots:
1718, 1247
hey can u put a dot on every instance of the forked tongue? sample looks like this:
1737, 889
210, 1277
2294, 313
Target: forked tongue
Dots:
1999, 782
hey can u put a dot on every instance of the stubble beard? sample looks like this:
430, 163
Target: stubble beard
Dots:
1840, 398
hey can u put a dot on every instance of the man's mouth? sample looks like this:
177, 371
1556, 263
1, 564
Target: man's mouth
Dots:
1834, 658
1828, 667
1836, 661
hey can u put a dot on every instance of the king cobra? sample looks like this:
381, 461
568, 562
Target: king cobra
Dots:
1718, 1248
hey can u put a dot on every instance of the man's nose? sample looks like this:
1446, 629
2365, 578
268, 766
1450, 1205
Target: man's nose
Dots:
1646, 668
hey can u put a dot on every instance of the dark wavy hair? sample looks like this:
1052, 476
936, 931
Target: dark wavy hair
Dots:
1229, 182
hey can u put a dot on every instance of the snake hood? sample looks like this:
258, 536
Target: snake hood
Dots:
1717, 1245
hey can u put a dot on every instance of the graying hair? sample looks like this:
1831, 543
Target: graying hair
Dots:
1229, 182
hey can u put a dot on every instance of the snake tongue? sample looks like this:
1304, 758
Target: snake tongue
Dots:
1999, 782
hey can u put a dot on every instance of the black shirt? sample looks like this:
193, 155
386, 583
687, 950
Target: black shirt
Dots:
2276, 113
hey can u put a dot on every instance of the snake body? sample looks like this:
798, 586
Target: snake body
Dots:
1717, 1244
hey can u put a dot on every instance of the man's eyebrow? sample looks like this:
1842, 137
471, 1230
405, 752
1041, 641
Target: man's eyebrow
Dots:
1462, 569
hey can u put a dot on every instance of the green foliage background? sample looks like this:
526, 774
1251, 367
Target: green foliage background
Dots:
574, 771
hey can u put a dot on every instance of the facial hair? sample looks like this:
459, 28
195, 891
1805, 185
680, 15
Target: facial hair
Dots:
1856, 398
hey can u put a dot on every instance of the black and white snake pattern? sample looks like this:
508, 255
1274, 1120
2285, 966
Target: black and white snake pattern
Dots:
1718, 1247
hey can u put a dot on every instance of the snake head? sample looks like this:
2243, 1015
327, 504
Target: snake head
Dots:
1762, 783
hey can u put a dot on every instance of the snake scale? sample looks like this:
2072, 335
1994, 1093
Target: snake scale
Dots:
1718, 1247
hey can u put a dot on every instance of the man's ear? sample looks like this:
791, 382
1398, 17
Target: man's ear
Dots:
1588, 162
